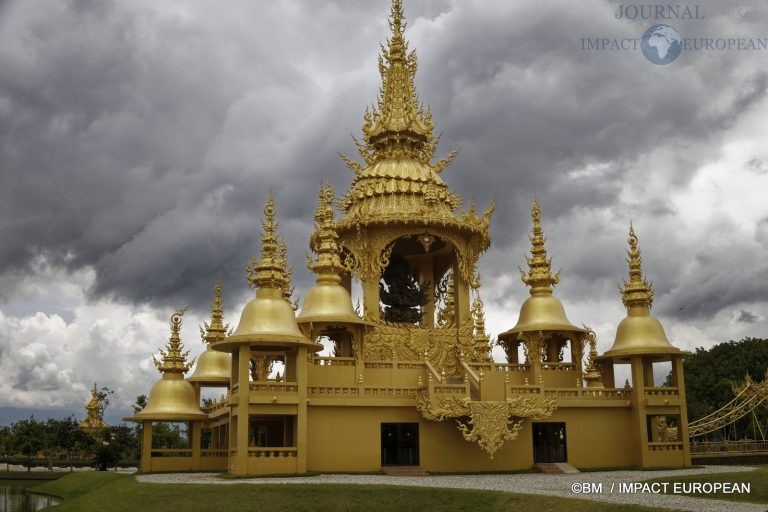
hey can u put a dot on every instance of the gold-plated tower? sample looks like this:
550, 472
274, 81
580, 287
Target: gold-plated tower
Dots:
328, 300
541, 311
172, 398
213, 367
640, 333
269, 318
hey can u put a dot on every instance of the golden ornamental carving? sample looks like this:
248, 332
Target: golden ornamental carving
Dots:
445, 301
443, 346
489, 423
534, 346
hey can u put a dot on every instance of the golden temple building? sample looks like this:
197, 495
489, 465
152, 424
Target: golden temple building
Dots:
411, 380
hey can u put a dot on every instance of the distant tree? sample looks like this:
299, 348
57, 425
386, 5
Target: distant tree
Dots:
169, 435
113, 444
6, 444
69, 437
104, 395
29, 437
140, 404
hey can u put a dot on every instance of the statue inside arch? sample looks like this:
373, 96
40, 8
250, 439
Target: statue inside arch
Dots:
401, 293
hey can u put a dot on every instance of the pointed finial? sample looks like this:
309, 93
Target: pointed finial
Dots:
173, 359
591, 375
539, 276
269, 271
637, 292
478, 316
215, 330
323, 239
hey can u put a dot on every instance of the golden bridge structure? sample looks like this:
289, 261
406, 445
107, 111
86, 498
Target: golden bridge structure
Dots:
749, 398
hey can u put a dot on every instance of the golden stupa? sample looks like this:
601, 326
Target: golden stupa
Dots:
172, 398
213, 367
640, 333
410, 382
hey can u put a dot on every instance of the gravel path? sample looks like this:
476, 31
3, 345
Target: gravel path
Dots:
530, 483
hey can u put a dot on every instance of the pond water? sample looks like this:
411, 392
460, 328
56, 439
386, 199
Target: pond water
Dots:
13, 497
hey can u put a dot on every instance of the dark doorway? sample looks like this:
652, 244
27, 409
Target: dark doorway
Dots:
399, 444
549, 442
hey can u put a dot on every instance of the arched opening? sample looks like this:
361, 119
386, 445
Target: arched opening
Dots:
418, 284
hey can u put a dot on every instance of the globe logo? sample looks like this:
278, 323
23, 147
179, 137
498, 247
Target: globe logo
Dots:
661, 44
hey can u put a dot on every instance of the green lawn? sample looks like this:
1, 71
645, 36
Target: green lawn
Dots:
98, 492
758, 480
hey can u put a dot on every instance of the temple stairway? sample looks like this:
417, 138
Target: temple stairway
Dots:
404, 471
556, 468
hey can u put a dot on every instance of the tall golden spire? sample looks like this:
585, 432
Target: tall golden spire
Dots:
215, 330
269, 271
637, 292
540, 267
172, 359
398, 126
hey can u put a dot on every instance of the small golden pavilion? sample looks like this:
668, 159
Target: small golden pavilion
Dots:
411, 380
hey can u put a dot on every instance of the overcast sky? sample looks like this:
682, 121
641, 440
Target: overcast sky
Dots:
139, 139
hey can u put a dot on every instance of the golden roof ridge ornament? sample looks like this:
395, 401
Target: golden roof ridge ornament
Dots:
216, 330
637, 292
539, 276
174, 359
270, 270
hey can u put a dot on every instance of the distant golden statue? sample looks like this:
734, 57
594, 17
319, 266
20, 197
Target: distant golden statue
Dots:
93, 420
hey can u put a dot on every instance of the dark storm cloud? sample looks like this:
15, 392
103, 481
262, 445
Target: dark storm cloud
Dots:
142, 139
746, 316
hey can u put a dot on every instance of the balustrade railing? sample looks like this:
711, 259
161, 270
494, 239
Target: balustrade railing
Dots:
171, 452
333, 361
567, 367
661, 392
221, 452
746, 446
273, 387
273, 452
673, 446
